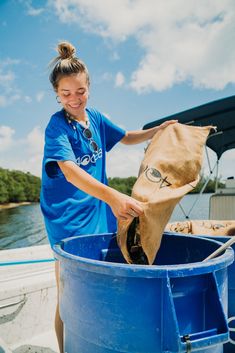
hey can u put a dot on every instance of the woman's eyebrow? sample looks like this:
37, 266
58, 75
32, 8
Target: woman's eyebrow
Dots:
79, 89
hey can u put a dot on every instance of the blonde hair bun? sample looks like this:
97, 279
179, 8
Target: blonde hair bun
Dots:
66, 50
65, 64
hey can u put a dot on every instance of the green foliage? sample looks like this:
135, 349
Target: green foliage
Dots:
17, 186
123, 185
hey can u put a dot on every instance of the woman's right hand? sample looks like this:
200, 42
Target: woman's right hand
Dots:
124, 207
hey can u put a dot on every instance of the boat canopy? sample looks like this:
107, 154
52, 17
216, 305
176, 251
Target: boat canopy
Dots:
219, 113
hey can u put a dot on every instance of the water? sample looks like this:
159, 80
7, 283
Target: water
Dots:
23, 226
200, 210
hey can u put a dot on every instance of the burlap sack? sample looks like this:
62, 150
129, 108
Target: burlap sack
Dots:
204, 227
169, 170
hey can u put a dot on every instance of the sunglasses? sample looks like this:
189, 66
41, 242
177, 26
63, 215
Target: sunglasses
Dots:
88, 134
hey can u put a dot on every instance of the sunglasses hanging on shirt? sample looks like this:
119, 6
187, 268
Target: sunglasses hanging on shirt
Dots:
86, 132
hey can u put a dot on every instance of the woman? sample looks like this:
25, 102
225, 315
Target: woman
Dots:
75, 198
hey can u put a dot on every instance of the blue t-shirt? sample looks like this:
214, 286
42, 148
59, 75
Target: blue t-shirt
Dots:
67, 210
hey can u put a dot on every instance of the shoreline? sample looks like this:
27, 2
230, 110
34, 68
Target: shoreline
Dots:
13, 205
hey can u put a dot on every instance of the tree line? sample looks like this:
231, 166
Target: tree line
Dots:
17, 186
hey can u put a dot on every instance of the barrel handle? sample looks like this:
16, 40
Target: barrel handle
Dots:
174, 340
231, 329
211, 336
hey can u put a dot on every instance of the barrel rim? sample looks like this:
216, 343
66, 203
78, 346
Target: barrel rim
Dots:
123, 269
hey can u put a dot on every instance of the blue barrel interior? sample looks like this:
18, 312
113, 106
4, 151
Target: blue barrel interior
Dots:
173, 251
178, 304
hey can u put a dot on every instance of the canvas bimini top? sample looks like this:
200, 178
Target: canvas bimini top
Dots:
219, 113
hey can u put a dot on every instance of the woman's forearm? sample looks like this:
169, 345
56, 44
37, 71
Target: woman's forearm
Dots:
122, 205
138, 136
85, 182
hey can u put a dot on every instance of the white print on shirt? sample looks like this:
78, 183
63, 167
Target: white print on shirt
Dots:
86, 159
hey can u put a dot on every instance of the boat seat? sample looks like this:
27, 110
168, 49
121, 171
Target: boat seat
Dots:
222, 206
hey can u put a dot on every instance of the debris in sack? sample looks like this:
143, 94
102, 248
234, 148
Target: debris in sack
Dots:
134, 247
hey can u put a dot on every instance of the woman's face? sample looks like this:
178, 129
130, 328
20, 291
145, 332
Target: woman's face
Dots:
73, 92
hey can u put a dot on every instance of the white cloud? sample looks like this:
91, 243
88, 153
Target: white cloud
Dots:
39, 96
3, 101
104, 77
115, 56
124, 161
182, 40
22, 154
6, 100
33, 145
6, 134
111, 119
120, 79
35, 140
9, 92
32, 11
6, 79
27, 99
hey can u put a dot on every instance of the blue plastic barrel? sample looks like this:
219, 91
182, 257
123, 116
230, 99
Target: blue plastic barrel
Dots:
176, 305
230, 346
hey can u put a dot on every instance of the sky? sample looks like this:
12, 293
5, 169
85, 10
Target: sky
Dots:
147, 59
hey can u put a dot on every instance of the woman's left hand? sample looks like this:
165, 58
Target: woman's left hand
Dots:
165, 124
155, 129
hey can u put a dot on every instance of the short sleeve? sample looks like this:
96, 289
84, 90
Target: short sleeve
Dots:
113, 133
57, 148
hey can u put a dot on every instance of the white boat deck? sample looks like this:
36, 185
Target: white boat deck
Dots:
27, 300
44, 343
